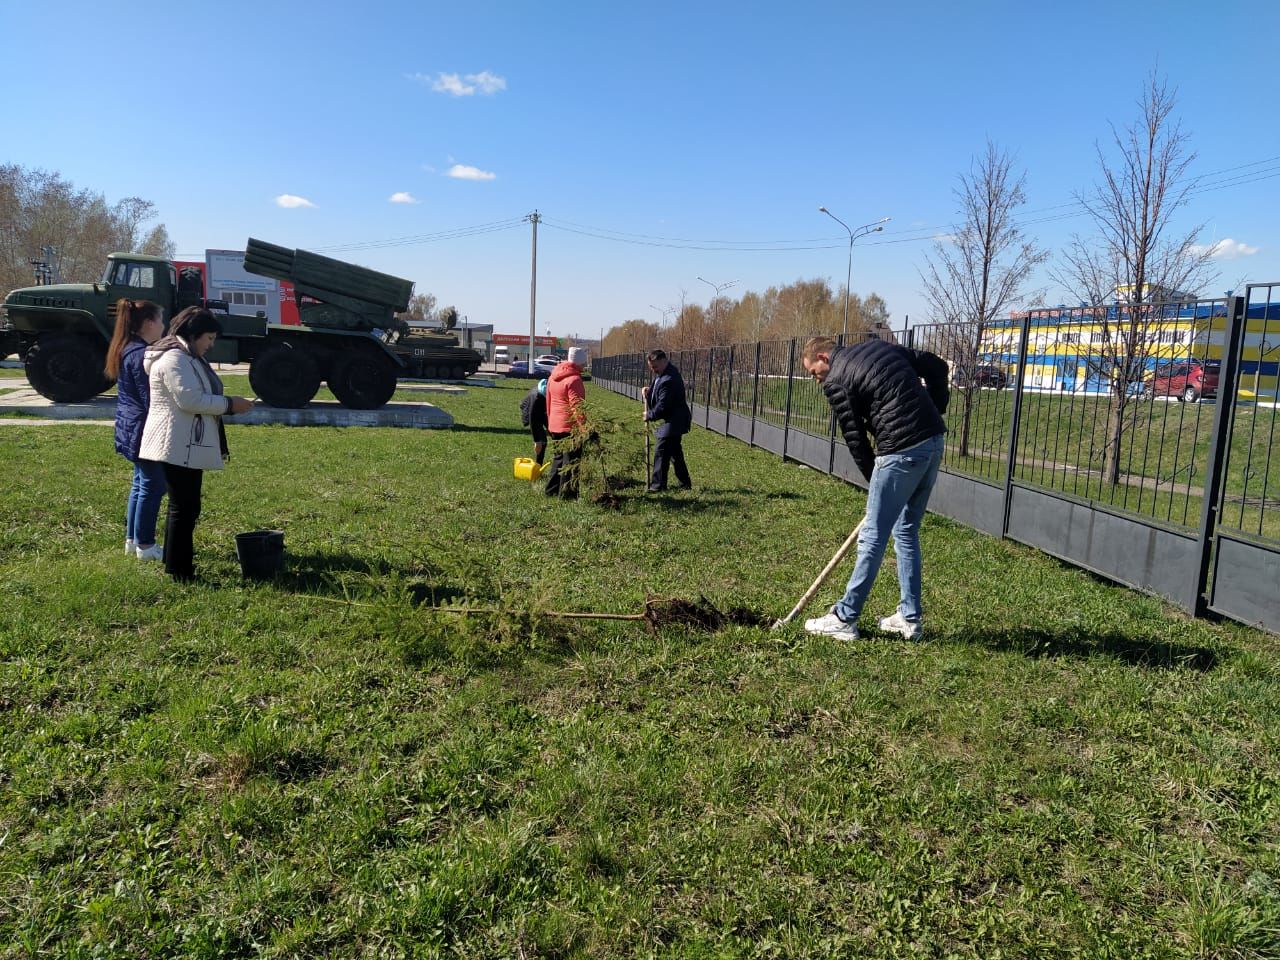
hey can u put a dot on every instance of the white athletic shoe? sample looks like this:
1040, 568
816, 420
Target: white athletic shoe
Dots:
900, 625
130, 547
153, 552
830, 625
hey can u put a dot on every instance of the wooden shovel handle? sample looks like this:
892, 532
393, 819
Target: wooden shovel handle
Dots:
822, 577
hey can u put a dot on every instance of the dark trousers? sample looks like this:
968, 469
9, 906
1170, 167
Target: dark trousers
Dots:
562, 481
669, 453
539, 432
180, 523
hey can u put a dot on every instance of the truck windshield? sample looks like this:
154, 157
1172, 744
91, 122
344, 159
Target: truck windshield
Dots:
133, 275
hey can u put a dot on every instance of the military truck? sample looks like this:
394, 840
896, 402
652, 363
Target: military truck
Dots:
349, 336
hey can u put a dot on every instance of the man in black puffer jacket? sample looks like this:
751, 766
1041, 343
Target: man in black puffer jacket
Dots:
875, 388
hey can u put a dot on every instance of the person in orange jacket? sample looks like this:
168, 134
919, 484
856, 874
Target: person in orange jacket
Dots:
566, 424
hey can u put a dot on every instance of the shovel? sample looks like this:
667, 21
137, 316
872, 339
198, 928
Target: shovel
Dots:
648, 466
822, 577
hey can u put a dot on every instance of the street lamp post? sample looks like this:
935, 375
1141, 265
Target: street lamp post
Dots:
715, 306
862, 231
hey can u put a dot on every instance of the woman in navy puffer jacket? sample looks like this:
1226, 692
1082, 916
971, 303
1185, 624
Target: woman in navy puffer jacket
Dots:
138, 323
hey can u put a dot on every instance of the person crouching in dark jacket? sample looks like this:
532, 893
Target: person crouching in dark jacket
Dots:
875, 388
664, 400
533, 414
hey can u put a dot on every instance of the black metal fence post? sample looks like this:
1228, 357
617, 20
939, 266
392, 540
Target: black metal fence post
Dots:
755, 394
786, 417
711, 366
1219, 446
728, 392
693, 382
1015, 422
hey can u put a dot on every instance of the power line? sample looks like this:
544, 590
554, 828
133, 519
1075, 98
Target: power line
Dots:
453, 234
1205, 183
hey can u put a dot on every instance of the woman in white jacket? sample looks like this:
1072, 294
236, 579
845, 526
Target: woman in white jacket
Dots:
184, 426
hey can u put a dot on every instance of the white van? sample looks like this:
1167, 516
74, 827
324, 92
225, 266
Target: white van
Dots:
500, 355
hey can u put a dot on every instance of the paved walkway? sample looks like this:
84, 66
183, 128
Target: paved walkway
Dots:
21, 398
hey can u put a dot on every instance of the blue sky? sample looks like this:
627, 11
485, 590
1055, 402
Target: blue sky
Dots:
678, 128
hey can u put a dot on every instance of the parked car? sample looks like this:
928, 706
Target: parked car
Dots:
521, 369
550, 358
1188, 380
984, 375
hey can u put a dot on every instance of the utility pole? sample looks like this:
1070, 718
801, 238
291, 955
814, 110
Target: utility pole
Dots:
535, 219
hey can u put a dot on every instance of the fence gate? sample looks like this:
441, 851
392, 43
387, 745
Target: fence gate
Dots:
1244, 563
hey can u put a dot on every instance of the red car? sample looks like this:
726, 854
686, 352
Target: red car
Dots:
1188, 380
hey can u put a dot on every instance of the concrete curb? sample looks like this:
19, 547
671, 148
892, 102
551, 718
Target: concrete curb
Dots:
318, 413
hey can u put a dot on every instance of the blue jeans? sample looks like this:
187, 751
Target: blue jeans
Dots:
897, 498
144, 502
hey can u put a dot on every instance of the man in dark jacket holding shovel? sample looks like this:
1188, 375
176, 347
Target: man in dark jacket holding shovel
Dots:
875, 388
664, 400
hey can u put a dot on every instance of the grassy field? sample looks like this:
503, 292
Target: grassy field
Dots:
324, 766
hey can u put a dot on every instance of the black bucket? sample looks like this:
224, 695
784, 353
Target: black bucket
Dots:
261, 553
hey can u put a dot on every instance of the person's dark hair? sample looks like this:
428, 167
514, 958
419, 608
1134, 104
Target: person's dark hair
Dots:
656, 355
130, 316
193, 323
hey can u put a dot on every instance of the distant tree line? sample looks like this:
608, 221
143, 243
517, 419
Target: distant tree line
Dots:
801, 309
45, 217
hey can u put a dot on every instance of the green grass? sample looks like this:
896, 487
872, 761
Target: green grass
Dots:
322, 766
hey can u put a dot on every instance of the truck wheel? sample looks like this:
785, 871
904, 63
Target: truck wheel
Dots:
363, 379
67, 368
285, 375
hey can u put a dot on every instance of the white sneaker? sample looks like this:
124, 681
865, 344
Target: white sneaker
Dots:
153, 552
830, 625
901, 625
130, 547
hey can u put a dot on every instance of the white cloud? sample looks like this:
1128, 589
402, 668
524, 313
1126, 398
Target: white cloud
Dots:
463, 85
402, 197
289, 201
460, 171
452, 83
486, 82
1227, 249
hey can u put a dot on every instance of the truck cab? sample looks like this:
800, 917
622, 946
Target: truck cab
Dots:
62, 330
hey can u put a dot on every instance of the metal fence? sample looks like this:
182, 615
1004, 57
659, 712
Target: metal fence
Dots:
1136, 440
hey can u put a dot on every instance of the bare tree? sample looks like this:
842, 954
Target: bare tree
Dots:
1137, 261
158, 243
40, 209
976, 275
632, 336
422, 308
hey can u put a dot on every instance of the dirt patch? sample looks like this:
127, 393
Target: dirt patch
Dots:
700, 613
